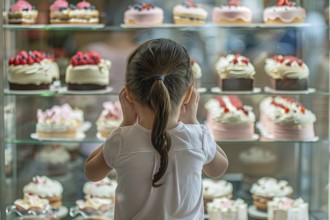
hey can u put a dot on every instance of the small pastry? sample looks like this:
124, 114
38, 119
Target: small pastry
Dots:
22, 12
189, 13
143, 14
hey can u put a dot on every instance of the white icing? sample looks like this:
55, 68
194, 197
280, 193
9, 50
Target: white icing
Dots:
226, 209
270, 187
281, 70
218, 114
212, 188
104, 188
54, 70
284, 208
94, 203
257, 155
32, 202
111, 117
53, 155
44, 187
226, 68
285, 13
193, 12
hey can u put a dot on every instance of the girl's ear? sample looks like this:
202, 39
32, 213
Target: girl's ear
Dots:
187, 94
129, 95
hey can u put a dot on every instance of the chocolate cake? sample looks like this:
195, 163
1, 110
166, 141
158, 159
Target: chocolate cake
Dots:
236, 84
289, 84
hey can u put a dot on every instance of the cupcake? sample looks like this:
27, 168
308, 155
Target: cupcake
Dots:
104, 189
189, 13
266, 189
236, 73
22, 12
110, 118
59, 12
285, 12
143, 14
32, 203
284, 208
213, 189
287, 73
232, 13
84, 13
197, 73
46, 188
226, 209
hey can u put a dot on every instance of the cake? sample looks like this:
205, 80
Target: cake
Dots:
232, 13
83, 13
284, 12
46, 188
226, 209
283, 118
22, 12
110, 118
143, 14
257, 162
266, 189
54, 69
32, 203
284, 208
92, 205
229, 119
59, 122
104, 189
87, 71
287, 73
236, 73
189, 13
197, 72
30, 71
213, 189
59, 12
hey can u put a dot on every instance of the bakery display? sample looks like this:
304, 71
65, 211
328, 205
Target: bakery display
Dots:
143, 14
266, 189
283, 118
284, 208
92, 205
31, 70
287, 73
87, 71
257, 162
232, 13
104, 189
32, 203
229, 119
59, 122
46, 188
109, 119
227, 209
213, 189
285, 12
22, 12
197, 73
189, 13
236, 73
84, 13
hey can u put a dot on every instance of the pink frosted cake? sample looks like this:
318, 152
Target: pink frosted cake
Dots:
232, 13
84, 13
22, 12
283, 118
229, 119
143, 14
189, 13
226, 209
285, 12
284, 208
59, 12
110, 118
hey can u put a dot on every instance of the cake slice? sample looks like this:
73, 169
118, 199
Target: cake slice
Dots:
22, 12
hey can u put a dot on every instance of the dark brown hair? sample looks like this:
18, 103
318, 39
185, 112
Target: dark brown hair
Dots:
158, 73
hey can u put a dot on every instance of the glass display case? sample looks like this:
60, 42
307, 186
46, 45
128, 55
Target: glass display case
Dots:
23, 155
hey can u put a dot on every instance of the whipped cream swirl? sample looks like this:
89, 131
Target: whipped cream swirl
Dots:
234, 66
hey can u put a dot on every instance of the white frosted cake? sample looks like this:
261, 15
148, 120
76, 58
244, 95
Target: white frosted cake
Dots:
109, 119
102, 189
284, 208
226, 209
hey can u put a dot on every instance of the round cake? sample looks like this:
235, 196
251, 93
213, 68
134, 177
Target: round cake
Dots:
110, 118
143, 14
104, 189
22, 12
213, 189
232, 13
284, 208
46, 188
266, 189
284, 12
189, 13
226, 209
87, 71
31, 70
228, 119
236, 73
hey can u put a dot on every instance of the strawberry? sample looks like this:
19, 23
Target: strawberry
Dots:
236, 102
235, 60
23, 61
281, 2
37, 59
226, 110
94, 54
79, 54
303, 110
246, 61
30, 61
221, 102
74, 62
83, 62
11, 61
23, 53
97, 60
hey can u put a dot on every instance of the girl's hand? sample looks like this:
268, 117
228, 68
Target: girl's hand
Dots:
188, 114
129, 113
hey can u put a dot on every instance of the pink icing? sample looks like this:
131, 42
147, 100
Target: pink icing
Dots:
145, 17
113, 110
20, 5
83, 4
231, 13
59, 4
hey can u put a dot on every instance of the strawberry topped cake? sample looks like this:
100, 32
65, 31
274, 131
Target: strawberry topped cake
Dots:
189, 13
232, 13
287, 73
236, 73
22, 12
31, 70
229, 119
87, 71
283, 118
143, 14
284, 12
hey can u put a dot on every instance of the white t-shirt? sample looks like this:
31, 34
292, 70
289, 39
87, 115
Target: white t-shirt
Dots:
130, 152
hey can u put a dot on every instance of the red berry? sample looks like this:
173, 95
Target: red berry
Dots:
37, 59
74, 62
23, 61
17, 61
23, 53
221, 102
226, 110
246, 61
79, 54
11, 61
94, 54
83, 62
236, 102
30, 61
97, 60
235, 60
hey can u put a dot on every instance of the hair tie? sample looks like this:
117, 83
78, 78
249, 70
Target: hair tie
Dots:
159, 77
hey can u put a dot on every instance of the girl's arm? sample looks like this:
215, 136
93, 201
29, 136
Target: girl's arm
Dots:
218, 166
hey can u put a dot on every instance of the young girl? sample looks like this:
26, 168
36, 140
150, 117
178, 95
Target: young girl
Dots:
160, 149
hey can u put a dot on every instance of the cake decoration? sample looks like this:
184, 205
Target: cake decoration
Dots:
143, 14
22, 12
233, 3
32, 203
232, 13
102, 189
285, 11
189, 13
285, 3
